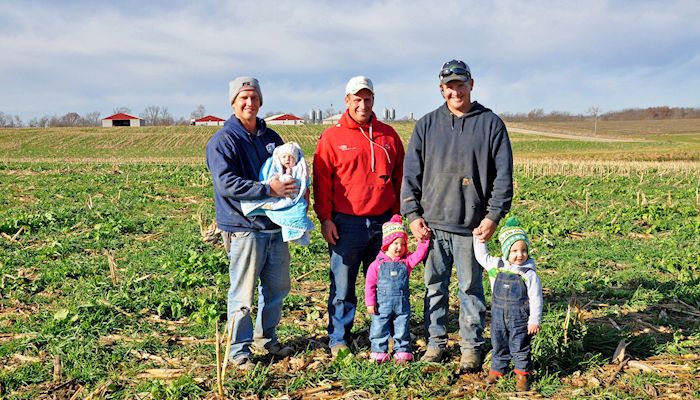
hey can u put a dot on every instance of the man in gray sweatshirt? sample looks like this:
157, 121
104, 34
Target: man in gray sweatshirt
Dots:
457, 184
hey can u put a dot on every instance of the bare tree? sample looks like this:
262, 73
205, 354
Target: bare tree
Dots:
125, 110
165, 117
594, 111
10, 121
91, 119
198, 112
70, 119
151, 115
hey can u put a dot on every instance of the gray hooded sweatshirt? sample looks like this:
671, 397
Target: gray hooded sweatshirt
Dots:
458, 170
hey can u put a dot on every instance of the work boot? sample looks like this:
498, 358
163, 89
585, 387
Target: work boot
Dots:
338, 349
470, 361
277, 350
522, 383
433, 354
493, 377
243, 363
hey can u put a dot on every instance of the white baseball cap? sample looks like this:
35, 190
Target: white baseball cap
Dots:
357, 83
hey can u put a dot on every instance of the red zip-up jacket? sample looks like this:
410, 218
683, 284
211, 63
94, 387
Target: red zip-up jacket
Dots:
346, 180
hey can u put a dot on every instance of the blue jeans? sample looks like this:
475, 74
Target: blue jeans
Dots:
359, 243
510, 310
256, 256
445, 249
393, 309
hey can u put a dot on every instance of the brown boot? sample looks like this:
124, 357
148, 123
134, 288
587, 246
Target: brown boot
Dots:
493, 377
522, 383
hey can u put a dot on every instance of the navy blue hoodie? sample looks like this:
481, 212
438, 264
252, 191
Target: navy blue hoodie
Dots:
234, 158
458, 170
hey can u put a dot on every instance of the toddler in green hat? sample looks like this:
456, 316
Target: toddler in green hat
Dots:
516, 302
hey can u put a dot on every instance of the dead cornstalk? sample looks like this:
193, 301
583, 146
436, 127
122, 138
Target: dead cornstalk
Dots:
56, 369
112, 267
227, 351
219, 383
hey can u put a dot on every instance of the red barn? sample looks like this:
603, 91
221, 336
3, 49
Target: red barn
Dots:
209, 120
121, 119
284, 119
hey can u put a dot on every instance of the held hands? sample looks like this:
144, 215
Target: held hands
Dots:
485, 230
329, 231
420, 230
283, 189
532, 329
372, 310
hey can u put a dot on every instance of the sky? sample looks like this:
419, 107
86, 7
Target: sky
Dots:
84, 56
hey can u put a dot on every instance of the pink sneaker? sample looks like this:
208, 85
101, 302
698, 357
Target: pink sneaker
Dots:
403, 357
380, 357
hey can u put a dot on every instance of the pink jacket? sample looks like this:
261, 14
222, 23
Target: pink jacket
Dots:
410, 259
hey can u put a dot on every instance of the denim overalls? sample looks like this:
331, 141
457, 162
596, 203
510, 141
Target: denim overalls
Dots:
393, 307
510, 310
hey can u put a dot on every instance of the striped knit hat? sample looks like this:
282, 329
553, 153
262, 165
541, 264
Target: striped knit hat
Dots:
392, 230
511, 233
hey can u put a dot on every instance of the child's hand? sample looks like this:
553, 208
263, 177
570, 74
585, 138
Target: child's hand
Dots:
371, 310
477, 232
532, 329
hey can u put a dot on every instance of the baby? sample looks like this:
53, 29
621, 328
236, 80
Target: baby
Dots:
290, 213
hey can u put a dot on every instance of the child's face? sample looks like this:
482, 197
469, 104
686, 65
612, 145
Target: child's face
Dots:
397, 248
287, 160
518, 253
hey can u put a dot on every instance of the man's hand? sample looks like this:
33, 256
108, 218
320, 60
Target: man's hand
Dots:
419, 229
485, 230
283, 189
371, 310
329, 231
532, 329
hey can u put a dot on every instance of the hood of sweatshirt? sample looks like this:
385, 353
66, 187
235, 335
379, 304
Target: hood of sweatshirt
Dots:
234, 126
458, 122
367, 131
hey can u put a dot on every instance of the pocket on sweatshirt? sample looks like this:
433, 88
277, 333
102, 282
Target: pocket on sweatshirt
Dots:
451, 199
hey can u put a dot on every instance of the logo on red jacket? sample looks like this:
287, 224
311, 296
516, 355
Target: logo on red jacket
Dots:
344, 147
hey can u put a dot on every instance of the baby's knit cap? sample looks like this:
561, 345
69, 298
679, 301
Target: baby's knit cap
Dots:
392, 230
511, 233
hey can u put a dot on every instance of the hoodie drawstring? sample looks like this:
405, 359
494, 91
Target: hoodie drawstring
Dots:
372, 144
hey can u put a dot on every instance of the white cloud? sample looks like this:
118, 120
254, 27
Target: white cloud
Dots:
564, 56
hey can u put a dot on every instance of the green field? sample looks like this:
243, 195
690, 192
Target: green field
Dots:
108, 289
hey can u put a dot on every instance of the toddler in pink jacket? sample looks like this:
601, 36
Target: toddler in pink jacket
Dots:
387, 294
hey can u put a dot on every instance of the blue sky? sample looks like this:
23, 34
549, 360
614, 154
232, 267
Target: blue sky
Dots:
83, 56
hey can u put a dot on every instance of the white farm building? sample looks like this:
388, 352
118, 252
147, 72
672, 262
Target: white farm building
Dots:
209, 120
121, 119
284, 119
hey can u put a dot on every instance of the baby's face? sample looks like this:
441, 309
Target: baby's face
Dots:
518, 253
287, 160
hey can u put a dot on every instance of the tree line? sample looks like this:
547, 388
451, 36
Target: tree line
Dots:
158, 115
649, 113
151, 115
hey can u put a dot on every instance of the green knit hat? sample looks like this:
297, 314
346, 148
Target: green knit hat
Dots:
511, 233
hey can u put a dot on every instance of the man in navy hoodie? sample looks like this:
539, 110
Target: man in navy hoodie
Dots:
457, 184
254, 245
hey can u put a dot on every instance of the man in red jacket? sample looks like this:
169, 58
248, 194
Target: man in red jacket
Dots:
358, 167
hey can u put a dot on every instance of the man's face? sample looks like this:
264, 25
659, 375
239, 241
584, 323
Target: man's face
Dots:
247, 104
457, 94
360, 105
